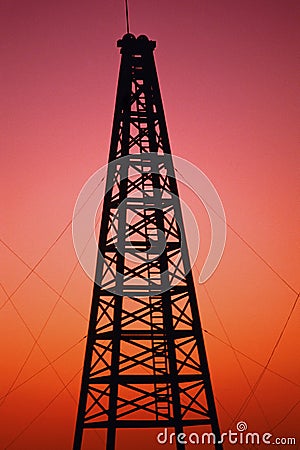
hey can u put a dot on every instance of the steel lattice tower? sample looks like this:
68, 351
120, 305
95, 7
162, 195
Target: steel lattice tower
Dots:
145, 364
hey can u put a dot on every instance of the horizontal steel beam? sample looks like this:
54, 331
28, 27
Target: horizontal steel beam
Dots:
146, 379
147, 423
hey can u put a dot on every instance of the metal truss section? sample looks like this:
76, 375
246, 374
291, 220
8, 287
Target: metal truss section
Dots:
145, 364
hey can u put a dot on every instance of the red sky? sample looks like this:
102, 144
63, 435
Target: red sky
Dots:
228, 75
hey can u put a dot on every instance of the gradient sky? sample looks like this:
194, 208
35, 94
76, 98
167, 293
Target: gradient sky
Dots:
228, 75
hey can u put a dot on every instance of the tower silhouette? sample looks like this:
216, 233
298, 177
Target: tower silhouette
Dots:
145, 364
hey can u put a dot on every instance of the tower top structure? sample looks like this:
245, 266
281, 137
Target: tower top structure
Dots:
132, 44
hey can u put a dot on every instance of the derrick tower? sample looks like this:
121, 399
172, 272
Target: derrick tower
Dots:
145, 364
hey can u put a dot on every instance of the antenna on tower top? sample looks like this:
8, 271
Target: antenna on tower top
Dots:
127, 18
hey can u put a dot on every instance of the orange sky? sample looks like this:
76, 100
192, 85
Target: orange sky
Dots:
228, 78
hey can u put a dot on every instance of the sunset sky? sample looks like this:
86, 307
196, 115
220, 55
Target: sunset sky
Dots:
228, 74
